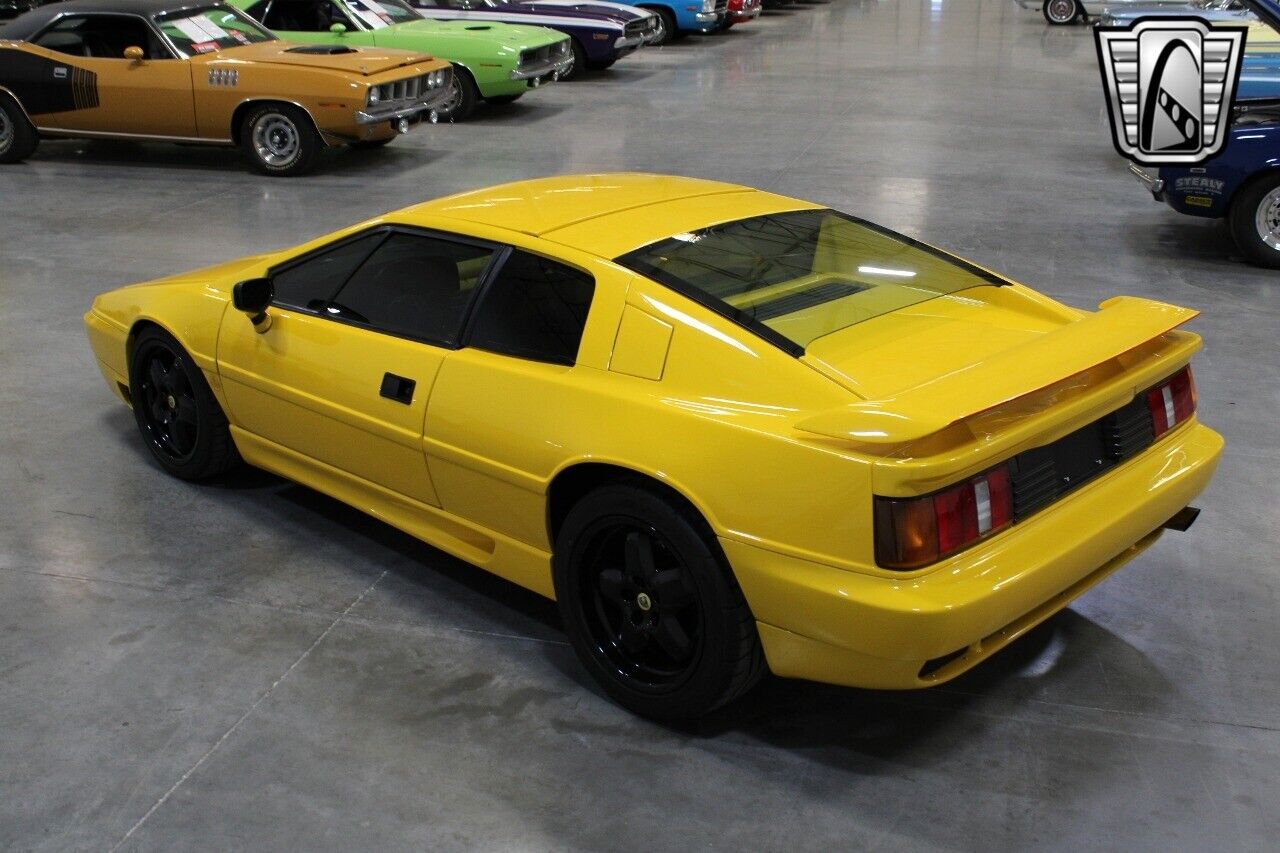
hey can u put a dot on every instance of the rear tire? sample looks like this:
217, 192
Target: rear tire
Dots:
651, 606
462, 97
1061, 12
18, 137
179, 418
280, 140
1255, 221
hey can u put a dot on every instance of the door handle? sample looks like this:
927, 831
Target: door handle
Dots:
398, 388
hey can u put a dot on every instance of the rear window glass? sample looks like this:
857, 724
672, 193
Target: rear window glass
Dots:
794, 277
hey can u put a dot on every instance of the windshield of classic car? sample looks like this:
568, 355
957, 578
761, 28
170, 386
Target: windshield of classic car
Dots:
377, 14
196, 31
803, 274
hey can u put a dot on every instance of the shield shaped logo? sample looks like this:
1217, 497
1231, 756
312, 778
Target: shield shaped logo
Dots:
1170, 84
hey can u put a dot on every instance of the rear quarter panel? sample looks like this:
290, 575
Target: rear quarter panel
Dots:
1208, 190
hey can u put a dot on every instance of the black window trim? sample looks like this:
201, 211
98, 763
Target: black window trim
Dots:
496, 250
630, 261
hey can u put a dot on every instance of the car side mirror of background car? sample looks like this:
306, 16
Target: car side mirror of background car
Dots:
339, 29
134, 54
253, 296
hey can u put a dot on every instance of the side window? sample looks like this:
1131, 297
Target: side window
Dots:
414, 285
535, 309
102, 37
300, 16
312, 283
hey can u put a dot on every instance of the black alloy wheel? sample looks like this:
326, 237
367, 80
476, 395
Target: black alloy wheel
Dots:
651, 606
640, 606
176, 412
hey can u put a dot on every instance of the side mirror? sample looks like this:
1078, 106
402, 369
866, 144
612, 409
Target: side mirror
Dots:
338, 29
134, 54
253, 297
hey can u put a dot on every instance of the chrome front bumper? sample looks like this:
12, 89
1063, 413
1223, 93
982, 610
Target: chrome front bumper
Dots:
542, 69
1153, 184
624, 42
434, 98
708, 17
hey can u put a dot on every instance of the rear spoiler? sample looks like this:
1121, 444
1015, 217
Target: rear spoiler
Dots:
1120, 324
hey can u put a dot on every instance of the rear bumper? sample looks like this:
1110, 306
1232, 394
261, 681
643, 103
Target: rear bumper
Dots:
1153, 184
829, 624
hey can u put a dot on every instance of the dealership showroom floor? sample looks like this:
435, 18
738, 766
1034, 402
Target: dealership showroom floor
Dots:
247, 664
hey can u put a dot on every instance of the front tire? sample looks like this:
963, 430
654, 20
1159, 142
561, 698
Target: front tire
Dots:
18, 138
670, 32
1255, 221
579, 66
280, 140
179, 418
650, 605
1061, 12
461, 99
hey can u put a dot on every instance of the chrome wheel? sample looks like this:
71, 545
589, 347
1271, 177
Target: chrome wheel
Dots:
1060, 11
1267, 219
453, 98
7, 131
276, 140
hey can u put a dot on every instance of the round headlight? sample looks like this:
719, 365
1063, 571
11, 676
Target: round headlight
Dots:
437, 77
374, 97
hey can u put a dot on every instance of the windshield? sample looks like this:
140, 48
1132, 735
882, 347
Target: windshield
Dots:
377, 14
195, 31
794, 277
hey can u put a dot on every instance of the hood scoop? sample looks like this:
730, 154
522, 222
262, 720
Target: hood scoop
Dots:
322, 49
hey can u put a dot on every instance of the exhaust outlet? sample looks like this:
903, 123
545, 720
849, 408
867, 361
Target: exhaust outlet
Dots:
1184, 519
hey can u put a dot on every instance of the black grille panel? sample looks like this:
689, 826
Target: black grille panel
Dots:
1043, 474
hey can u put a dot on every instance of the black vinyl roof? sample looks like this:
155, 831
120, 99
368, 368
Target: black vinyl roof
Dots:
25, 26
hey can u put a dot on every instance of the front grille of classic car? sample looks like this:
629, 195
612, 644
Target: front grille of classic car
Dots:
1042, 475
638, 27
535, 56
722, 5
399, 94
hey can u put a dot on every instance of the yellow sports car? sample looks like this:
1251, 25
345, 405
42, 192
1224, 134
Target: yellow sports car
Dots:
724, 429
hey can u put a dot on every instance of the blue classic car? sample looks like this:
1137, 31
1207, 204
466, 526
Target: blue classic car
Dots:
1242, 183
600, 36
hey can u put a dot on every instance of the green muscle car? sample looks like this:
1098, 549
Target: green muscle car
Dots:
492, 61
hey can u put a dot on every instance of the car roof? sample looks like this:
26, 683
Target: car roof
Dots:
25, 26
604, 214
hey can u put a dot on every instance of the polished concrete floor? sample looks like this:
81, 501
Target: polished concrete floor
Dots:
248, 664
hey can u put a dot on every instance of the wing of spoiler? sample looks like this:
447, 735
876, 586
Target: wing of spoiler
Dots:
1119, 325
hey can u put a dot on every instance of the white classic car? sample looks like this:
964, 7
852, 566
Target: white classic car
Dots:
1062, 12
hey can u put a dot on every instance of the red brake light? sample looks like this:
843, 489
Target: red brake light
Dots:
914, 532
1172, 401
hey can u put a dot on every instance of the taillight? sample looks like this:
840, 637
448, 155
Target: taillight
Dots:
914, 532
1172, 401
